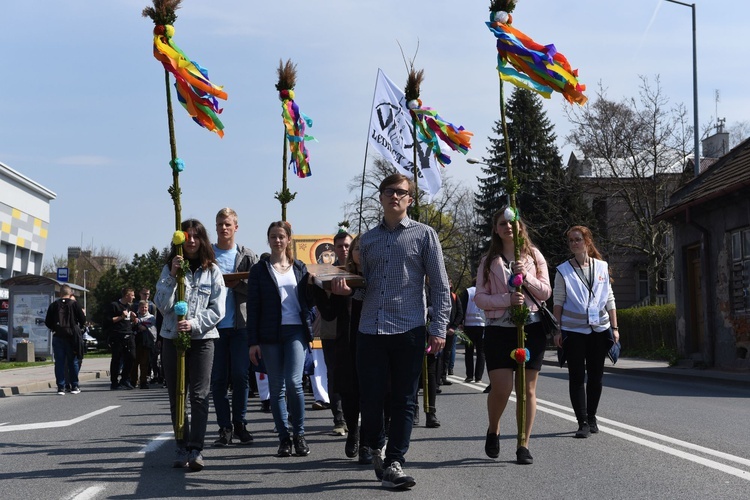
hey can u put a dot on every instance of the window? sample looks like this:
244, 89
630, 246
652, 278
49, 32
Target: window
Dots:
740, 285
642, 284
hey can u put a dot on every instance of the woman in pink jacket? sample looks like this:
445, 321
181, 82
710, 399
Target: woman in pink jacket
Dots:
495, 296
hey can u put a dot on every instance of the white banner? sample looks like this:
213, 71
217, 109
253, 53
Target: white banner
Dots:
391, 134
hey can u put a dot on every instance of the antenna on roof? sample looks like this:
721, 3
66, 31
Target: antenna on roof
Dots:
719, 121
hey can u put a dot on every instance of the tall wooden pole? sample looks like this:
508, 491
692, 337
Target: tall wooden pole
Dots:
521, 373
175, 193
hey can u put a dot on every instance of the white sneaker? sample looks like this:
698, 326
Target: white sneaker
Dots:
394, 477
61, 392
75, 390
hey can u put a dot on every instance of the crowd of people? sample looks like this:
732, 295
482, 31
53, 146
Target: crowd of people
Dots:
249, 317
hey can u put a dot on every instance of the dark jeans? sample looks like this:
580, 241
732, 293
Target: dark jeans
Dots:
66, 362
476, 335
333, 392
198, 361
585, 354
123, 356
379, 356
432, 381
231, 359
446, 357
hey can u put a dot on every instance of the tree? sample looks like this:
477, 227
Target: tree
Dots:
449, 213
635, 156
548, 199
143, 271
738, 132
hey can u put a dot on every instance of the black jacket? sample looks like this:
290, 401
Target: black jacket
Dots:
264, 303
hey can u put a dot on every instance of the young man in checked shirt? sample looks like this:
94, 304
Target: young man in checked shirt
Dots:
396, 257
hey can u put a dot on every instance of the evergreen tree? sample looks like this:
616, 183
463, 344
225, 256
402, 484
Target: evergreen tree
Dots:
549, 200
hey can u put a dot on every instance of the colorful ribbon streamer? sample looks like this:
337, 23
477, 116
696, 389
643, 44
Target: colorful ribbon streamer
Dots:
295, 122
535, 67
431, 126
195, 91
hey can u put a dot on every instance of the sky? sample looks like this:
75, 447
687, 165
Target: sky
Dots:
82, 100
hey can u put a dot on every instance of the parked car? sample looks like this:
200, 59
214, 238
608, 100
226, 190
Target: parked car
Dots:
91, 343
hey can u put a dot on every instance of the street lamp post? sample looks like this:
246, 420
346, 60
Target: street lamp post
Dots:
84, 290
696, 134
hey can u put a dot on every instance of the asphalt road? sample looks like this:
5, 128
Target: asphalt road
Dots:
660, 439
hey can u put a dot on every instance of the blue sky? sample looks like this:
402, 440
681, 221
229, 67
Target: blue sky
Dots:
82, 103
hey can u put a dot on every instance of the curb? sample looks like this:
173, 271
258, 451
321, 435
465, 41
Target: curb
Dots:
675, 374
30, 387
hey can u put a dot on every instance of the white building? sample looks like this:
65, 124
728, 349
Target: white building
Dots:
24, 223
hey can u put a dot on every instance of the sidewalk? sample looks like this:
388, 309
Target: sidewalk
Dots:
662, 370
42, 378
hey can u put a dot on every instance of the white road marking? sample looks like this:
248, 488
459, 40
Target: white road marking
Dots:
155, 443
88, 493
728, 469
59, 423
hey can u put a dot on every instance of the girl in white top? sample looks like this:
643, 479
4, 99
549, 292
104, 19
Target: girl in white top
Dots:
279, 329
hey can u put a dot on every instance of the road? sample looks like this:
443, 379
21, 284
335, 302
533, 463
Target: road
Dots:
662, 439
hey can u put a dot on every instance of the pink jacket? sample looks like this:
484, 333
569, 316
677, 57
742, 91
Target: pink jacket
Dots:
493, 295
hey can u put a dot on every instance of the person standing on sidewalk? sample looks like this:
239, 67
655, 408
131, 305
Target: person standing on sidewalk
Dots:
231, 359
585, 310
118, 320
66, 319
397, 256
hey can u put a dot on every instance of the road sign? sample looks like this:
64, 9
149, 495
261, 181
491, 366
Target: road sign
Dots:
62, 274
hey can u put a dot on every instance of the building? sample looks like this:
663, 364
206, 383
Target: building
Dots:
711, 220
24, 223
623, 194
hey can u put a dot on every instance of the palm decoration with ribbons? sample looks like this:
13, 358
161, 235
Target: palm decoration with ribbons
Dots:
199, 97
542, 69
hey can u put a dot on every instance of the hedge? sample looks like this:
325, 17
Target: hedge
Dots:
648, 329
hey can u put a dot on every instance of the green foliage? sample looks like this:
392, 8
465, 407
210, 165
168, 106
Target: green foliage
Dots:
142, 271
649, 332
519, 314
8, 365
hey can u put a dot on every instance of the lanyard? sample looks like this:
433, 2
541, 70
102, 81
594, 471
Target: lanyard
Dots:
590, 283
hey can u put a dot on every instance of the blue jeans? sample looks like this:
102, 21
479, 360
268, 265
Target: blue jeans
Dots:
198, 361
284, 364
230, 354
64, 358
378, 358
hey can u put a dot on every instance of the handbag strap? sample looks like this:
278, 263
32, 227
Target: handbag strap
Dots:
533, 299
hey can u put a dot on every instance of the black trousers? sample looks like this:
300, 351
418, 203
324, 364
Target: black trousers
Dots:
123, 356
585, 354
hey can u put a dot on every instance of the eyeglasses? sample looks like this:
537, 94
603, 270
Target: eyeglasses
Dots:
575, 240
398, 192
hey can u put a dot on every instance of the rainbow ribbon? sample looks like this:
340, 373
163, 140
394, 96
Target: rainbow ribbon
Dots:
535, 67
195, 91
295, 122
431, 126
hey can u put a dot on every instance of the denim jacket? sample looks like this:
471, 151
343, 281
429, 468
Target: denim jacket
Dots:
205, 295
